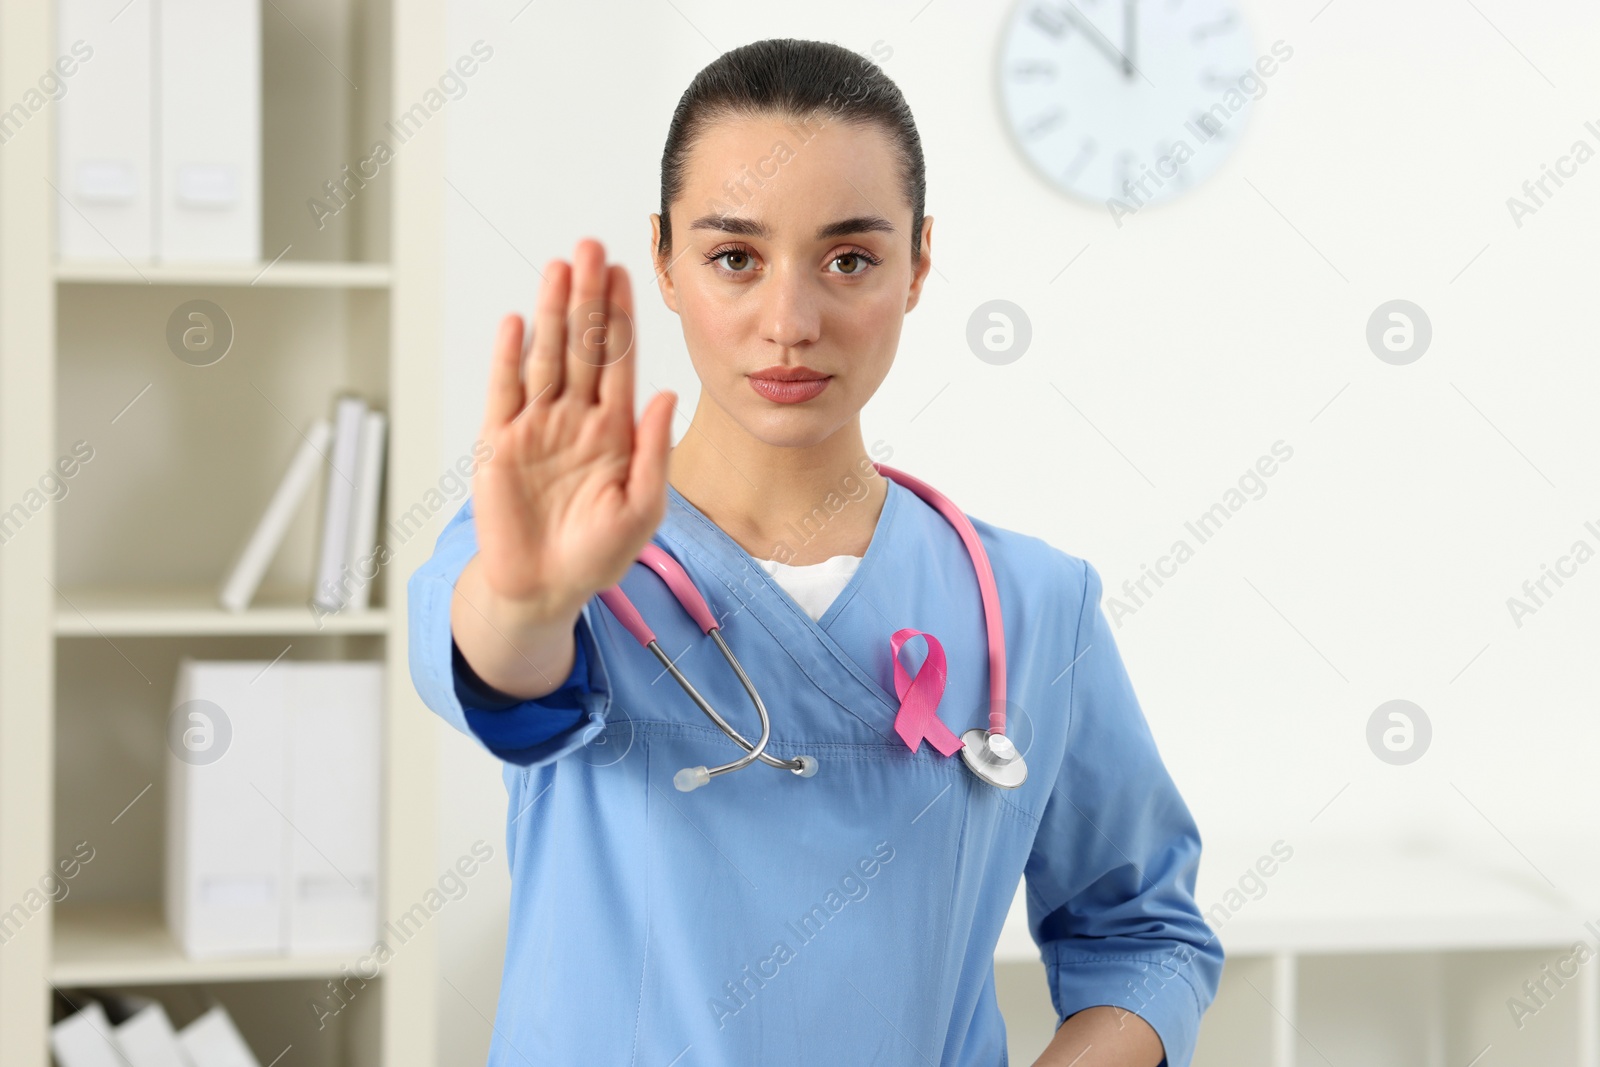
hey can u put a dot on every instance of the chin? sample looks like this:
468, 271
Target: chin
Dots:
794, 426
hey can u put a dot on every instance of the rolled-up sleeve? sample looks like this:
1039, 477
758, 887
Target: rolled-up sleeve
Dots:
529, 732
1110, 880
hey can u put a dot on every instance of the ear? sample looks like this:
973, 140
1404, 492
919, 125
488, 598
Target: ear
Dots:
921, 274
669, 294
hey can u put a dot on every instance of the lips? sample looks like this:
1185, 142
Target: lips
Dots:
789, 385
789, 374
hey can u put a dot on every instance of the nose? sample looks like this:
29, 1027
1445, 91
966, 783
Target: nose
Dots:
790, 312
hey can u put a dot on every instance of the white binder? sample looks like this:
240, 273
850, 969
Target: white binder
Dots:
103, 132
213, 1041
334, 713
209, 88
146, 1039
272, 849
85, 1039
226, 831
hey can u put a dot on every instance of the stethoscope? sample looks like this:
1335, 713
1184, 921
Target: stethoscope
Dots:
989, 753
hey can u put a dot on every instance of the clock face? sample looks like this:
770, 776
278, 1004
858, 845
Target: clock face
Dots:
1137, 101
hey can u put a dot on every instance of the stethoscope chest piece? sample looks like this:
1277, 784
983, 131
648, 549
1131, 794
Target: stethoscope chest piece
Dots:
993, 758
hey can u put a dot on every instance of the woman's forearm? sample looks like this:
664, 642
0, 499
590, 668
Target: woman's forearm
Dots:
1103, 1037
521, 650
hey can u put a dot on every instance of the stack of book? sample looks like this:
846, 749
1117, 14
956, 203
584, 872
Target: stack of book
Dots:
350, 450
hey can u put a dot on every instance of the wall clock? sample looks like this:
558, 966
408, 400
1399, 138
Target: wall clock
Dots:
1122, 100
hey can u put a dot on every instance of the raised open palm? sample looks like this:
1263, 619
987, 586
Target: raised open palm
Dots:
573, 488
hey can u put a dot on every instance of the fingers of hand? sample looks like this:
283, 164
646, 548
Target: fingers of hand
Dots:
505, 374
617, 375
587, 315
542, 369
647, 469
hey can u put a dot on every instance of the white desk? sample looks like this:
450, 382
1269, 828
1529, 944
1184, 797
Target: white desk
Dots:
1377, 954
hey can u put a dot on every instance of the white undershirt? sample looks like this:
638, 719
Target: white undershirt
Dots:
813, 586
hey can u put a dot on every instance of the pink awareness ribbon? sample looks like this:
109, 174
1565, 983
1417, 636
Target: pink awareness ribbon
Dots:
919, 697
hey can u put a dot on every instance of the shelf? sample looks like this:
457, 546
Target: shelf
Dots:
283, 274
193, 611
128, 944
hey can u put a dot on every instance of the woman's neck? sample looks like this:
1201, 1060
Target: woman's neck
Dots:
797, 505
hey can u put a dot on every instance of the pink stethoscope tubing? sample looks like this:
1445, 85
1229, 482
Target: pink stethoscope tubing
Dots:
683, 588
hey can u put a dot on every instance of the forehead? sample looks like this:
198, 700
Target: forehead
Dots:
792, 176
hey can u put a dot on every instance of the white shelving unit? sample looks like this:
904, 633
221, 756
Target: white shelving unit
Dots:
106, 588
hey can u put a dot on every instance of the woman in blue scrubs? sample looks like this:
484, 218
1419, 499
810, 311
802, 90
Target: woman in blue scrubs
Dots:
849, 916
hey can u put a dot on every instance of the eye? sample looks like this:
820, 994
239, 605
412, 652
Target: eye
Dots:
742, 261
735, 252
861, 261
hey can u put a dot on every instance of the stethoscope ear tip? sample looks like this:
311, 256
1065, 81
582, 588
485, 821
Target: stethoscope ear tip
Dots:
691, 778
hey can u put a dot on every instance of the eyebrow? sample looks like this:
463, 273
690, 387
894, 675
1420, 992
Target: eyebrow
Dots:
755, 228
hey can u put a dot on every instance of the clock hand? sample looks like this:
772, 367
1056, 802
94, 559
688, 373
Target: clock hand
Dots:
1130, 35
1092, 32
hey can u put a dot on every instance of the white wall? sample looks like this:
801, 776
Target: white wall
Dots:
1418, 498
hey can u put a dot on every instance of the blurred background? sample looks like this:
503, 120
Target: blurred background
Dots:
1287, 330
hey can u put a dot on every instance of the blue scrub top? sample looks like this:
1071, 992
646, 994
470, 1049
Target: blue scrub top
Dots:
851, 917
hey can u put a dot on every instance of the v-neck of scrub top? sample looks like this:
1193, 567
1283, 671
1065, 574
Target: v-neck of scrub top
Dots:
814, 586
780, 614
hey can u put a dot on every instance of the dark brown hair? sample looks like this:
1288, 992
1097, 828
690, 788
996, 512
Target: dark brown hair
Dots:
795, 79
